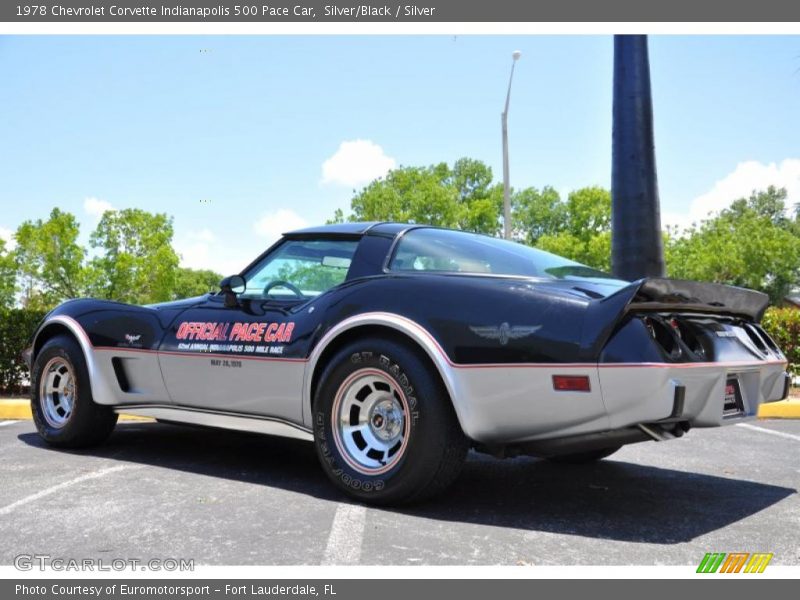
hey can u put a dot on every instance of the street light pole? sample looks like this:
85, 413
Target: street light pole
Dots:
506, 185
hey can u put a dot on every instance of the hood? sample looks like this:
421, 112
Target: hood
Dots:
182, 303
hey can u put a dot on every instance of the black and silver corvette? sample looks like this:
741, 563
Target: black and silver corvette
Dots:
396, 348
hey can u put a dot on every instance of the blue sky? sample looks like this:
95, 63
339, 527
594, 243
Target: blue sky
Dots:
231, 135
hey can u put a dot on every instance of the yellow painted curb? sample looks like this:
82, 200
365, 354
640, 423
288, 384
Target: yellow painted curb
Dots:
21, 409
15, 409
787, 409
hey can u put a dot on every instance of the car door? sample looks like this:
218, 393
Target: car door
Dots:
249, 356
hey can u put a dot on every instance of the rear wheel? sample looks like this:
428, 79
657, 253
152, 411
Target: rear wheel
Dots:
63, 409
384, 426
581, 458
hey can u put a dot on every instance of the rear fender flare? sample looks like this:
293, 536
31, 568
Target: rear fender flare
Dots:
413, 330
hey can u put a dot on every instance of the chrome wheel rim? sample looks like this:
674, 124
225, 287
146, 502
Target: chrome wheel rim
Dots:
370, 421
57, 391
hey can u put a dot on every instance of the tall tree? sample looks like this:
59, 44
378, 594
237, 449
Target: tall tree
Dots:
50, 260
195, 282
751, 244
461, 197
584, 233
480, 201
537, 213
138, 263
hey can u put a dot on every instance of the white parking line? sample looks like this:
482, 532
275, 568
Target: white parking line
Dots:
3, 423
347, 532
52, 490
788, 436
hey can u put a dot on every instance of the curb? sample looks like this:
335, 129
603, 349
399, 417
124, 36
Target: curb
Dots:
21, 410
786, 409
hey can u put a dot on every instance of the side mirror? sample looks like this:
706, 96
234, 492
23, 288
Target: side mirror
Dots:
232, 286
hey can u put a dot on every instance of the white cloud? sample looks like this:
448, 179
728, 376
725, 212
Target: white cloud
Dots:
194, 248
746, 177
95, 207
201, 249
356, 162
274, 223
8, 236
675, 219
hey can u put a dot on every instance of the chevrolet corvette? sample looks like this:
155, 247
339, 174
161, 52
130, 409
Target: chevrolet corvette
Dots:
397, 348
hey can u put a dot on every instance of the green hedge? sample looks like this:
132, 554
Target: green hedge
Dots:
783, 324
17, 326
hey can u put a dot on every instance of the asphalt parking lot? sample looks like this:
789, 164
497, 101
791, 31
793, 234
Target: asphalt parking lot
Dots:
220, 497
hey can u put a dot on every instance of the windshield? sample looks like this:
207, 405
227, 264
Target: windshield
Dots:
445, 251
300, 269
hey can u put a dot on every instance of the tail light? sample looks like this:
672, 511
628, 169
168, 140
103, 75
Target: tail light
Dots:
664, 335
756, 338
571, 383
689, 337
767, 339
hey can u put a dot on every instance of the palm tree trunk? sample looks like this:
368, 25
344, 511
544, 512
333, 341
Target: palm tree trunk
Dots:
636, 246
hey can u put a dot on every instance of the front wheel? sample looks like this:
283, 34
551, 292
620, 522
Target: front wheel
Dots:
384, 426
63, 409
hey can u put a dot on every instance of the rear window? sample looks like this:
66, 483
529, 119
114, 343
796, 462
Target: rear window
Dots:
445, 251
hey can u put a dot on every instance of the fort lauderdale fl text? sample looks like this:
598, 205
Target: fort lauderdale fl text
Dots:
255, 11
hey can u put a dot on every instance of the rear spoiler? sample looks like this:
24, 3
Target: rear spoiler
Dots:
695, 296
666, 295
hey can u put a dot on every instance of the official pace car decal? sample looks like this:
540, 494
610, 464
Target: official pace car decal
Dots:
239, 337
505, 332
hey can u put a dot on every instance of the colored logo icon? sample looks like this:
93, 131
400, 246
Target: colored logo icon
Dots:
735, 562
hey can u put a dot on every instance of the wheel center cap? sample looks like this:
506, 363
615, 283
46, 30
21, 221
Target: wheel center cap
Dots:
386, 421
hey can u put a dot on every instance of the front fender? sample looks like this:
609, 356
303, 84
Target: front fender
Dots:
102, 391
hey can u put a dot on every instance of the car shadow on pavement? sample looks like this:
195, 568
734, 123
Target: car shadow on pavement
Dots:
611, 499
247, 457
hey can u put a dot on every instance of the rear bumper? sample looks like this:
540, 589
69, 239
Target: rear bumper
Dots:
651, 393
507, 404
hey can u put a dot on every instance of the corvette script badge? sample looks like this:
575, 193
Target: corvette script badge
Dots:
505, 332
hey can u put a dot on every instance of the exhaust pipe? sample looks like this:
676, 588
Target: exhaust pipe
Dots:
659, 436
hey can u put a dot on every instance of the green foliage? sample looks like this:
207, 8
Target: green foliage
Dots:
783, 326
460, 197
138, 264
50, 260
311, 276
8, 276
751, 244
135, 263
17, 326
584, 234
537, 213
464, 197
194, 282
338, 217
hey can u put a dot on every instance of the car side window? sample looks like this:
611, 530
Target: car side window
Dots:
300, 269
